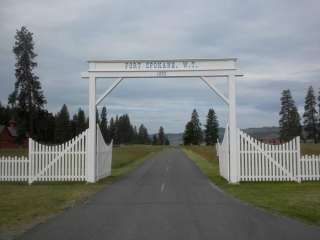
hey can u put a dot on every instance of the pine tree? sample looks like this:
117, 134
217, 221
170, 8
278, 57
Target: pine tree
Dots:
125, 129
104, 124
154, 140
310, 115
27, 93
143, 136
3, 117
81, 121
98, 117
73, 125
44, 131
63, 126
135, 137
161, 136
193, 131
197, 138
289, 122
212, 126
112, 130
188, 134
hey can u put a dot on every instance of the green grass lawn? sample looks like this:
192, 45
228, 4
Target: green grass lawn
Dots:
21, 204
301, 201
310, 148
14, 152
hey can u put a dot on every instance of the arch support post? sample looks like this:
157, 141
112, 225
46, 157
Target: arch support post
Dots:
233, 148
91, 142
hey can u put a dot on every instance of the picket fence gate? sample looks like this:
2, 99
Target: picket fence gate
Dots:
104, 156
64, 162
223, 153
265, 162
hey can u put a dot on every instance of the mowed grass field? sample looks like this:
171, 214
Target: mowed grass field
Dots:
309, 148
21, 204
301, 201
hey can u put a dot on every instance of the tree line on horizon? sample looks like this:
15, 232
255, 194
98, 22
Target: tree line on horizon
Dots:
290, 120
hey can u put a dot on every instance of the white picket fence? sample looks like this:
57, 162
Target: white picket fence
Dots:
310, 167
223, 153
104, 156
14, 169
64, 162
265, 162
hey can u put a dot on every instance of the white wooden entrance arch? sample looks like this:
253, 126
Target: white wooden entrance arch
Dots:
174, 68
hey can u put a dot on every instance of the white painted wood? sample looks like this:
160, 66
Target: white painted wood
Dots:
163, 74
92, 145
109, 90
310, 170
216, 90
265, 162
234, 163
149, 65
223, 154
164, 68
14, 169
104, 157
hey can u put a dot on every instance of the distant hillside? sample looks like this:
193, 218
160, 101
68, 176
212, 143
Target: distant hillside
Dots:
263, 132
175, 138
260, 133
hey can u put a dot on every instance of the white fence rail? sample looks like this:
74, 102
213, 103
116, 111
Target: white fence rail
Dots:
104, 157
310, 167
15, 169
223, 153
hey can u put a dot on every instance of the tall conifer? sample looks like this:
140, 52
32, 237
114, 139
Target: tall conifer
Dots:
211, 128
289, 122
310, 115
27, 95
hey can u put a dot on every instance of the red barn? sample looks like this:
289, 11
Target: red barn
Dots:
8, 136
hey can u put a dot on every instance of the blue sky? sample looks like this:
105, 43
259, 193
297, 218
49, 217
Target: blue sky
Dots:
277, 44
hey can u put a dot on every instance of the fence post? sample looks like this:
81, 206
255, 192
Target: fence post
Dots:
92, 133
298, 160
30, 167
233, 149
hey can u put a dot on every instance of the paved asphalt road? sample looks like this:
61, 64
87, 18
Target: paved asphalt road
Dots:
168, 198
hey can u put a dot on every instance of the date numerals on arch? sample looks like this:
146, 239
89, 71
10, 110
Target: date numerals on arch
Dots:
161, 73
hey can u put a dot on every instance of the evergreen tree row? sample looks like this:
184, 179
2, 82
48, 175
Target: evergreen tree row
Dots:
193, 134
122, 131
290, 120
